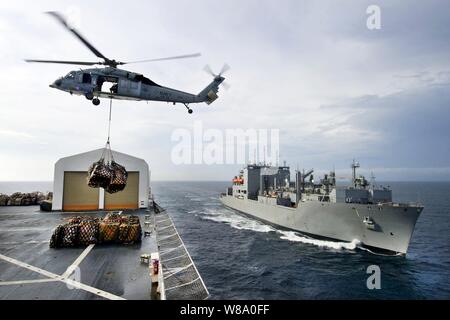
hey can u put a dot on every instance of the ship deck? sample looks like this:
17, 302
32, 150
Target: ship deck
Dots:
30, 270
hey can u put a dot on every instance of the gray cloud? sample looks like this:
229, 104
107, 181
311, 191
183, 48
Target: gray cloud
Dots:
411, 127
311, 68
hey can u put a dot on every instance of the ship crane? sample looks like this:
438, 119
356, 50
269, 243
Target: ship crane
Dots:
300, 181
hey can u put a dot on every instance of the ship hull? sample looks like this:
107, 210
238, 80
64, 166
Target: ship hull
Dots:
391, 230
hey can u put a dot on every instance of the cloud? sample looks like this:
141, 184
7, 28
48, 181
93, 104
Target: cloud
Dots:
335, 89
12, 133
408, 128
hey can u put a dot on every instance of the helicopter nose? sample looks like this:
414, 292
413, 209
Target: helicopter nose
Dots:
56, 84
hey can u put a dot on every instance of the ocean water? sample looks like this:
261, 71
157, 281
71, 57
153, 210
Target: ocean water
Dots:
9, 187
241, 258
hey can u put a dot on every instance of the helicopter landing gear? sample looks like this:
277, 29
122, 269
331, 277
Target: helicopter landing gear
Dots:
190, 111
96, 101
89, 95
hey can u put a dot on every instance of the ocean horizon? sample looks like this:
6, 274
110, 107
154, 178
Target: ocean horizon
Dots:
9, 187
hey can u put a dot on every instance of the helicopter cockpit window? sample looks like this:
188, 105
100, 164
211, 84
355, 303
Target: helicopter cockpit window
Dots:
71, 75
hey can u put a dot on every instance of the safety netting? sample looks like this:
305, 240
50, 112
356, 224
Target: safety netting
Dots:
182, 280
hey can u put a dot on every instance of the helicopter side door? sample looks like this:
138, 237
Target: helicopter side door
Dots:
86, 78
129, 87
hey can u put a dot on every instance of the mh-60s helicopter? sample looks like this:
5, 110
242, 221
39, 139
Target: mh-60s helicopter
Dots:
125, 85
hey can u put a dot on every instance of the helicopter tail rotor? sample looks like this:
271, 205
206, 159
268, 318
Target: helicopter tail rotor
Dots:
224, 69
219, 76
209, 94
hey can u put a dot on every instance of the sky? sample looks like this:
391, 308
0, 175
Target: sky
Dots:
336, 90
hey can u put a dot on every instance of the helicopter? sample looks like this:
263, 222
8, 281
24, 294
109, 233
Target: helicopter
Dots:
126, 85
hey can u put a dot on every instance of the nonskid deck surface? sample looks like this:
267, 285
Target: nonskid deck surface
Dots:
29, 269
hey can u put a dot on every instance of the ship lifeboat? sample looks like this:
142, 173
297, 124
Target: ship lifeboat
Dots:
238, 180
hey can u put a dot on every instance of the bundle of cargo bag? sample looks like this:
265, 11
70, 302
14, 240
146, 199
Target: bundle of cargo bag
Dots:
107, 174
83, 231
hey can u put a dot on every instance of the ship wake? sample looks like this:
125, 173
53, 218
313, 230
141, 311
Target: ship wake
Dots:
295, 237
239, 222
236, 221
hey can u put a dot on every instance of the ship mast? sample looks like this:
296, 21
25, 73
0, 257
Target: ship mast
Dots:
355, 165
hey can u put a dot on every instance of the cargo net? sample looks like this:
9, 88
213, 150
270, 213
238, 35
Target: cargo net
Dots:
106, 173
83, 231
181, 278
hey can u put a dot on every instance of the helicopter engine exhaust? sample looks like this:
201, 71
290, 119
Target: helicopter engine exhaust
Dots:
212, 96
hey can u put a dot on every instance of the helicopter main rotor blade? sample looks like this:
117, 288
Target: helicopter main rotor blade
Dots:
63, 21
81, 63
194, 55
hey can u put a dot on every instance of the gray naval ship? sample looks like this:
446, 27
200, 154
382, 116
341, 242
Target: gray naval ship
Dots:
361, 212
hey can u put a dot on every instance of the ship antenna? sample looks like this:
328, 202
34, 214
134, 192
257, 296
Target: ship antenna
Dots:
264, 156
372, 178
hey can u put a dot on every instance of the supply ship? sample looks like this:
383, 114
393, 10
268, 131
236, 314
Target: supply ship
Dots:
361, 212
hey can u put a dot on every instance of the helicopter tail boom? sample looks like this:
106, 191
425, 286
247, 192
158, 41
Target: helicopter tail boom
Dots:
209, 94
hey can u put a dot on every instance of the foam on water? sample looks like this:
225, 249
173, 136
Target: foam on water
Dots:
381, 254
236, 221
295, 237
242, 223
196, 199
